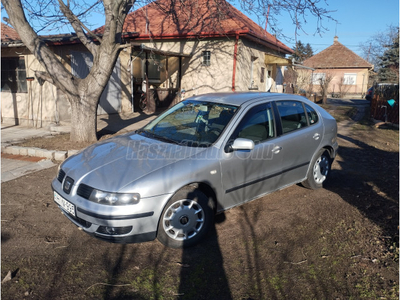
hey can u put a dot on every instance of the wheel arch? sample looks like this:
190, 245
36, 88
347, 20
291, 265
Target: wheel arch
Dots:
206, 189
329, 149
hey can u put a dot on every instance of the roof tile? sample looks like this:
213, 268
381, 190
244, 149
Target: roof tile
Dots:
336, 56
195, 18
8, 34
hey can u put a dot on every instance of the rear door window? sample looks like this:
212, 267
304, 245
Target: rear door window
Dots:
292, 114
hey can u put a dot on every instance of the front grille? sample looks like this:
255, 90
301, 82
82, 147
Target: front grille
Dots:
61, 175
68, 183
84, 191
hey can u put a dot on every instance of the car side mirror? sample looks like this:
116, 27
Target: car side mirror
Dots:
242, 144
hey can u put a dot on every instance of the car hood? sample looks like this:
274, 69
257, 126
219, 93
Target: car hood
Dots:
117, 162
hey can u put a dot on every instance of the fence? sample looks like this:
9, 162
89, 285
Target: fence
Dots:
381, 107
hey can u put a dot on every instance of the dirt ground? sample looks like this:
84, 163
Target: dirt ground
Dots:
339, 242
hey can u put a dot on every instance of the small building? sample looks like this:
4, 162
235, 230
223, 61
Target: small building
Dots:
182, 48
347, 71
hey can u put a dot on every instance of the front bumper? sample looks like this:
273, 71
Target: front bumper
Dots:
118, 224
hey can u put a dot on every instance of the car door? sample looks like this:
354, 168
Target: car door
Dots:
301, 133
248, 174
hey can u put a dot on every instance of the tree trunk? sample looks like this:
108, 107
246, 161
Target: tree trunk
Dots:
83, 122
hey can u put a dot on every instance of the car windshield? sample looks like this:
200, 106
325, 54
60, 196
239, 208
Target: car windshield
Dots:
191, 123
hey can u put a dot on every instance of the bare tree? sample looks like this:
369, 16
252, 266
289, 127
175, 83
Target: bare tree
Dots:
299, 11
304, 80
83, 94
344, 87
324, 82
374, 47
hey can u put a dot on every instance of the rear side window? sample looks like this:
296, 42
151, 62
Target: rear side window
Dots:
292, 115
312, 115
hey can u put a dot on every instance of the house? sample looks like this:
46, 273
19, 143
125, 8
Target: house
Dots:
17, 87
176, 49
28, 101
347, 71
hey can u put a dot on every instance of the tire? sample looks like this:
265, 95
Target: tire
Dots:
186, 219
319, 170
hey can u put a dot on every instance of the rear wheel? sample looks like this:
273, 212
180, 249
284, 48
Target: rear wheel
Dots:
319, 171
186, 219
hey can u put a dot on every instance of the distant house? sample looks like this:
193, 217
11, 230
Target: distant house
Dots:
348, 71
182, 48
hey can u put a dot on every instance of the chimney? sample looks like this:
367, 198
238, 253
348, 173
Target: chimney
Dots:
335, 39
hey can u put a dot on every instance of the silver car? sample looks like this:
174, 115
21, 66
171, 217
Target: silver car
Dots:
206, 154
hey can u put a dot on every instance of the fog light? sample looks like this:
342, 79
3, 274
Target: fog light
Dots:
114, 230
111, 230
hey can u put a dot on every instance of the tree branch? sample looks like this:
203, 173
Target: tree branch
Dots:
123, 46
57, 73
116, 12
40, 75
78, 27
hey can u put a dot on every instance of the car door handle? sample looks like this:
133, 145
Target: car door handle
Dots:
276, 149
316, 136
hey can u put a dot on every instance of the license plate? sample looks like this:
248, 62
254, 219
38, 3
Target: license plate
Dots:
65, 205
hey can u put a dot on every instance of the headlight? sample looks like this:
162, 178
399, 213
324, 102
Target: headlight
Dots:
114, 198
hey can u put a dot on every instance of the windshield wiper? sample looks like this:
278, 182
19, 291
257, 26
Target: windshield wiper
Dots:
156, 136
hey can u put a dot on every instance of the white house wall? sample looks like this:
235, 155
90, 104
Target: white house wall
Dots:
196, 77
200, 79
248, 51
37, 107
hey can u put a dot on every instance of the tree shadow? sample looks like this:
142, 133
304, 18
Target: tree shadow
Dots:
116, 123
203, 274
368, 180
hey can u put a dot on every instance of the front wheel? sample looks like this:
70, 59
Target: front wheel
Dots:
320, 168
186, 219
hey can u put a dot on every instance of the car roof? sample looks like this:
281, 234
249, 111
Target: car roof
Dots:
239, 98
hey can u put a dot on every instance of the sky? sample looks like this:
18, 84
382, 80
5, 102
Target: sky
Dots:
357, 22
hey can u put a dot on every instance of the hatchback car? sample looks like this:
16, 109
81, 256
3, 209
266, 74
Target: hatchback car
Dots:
204, 155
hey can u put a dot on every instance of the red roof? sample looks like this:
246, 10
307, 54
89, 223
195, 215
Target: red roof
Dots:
336, 56
163, 19
8, 34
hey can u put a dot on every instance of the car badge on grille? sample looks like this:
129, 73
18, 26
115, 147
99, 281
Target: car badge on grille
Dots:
68, 185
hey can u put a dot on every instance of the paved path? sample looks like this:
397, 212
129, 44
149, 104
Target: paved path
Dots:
344, 127
348, 102
14, 166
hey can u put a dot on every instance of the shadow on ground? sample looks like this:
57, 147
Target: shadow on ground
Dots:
356, 181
